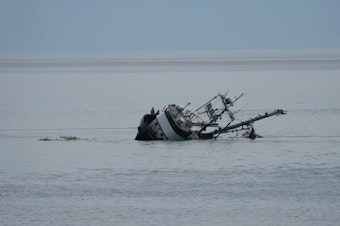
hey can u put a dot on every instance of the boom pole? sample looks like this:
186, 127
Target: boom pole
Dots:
229, 128
252, 120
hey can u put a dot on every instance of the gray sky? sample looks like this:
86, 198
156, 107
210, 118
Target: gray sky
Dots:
80, 26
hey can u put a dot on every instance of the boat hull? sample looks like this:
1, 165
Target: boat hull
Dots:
144, 132
160, 127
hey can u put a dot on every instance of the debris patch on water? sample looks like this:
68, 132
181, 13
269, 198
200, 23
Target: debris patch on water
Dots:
64, 138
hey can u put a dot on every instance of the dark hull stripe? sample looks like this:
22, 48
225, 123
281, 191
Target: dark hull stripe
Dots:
177, 130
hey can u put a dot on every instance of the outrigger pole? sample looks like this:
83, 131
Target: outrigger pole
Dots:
247, 123
209, 101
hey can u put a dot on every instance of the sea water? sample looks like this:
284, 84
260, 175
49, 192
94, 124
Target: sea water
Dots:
289, 177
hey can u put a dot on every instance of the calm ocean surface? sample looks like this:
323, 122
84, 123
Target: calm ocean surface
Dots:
289, 177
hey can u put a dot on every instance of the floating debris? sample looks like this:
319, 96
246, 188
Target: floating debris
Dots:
251, 134
63, 138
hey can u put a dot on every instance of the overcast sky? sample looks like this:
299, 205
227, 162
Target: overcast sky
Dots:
74, 26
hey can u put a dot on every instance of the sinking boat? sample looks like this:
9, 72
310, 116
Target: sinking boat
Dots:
209, 121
